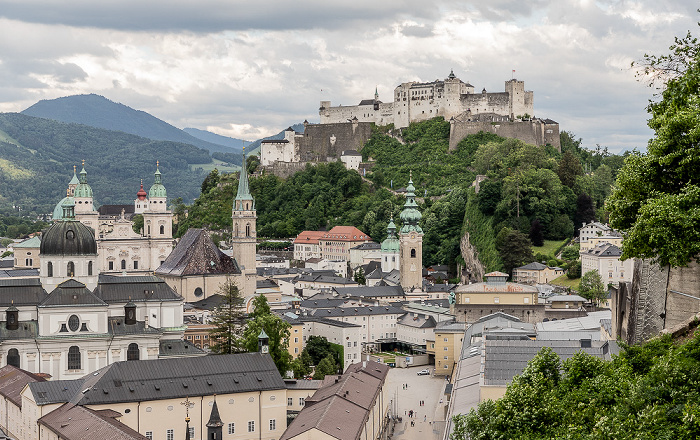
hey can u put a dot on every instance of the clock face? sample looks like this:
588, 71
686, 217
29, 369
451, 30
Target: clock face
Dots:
265, 349
11, 318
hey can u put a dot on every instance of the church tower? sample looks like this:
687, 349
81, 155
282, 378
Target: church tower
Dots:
390, 249
411, 242
84, 204
157, 222
244, 236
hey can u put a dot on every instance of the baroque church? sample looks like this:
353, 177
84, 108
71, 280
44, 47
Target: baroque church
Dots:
73, 320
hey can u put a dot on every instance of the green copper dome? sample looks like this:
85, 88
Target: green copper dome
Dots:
410, 216
58, 210
157, 189
83, 189
390, 244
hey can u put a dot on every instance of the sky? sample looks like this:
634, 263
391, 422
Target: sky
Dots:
247, 69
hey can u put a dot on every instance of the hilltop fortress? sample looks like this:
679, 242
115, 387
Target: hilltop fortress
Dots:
343, 130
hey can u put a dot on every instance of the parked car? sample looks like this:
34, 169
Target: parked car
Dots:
424, 372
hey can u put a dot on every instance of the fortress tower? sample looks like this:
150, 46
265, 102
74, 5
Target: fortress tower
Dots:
411, 242
244, 236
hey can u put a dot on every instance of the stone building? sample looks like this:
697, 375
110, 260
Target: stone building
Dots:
415, 101
472, 301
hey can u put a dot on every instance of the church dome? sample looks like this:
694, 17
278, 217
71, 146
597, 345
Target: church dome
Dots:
141, 195
58, 210
410, 216
391, 244
83, 189
68, 238
157, 189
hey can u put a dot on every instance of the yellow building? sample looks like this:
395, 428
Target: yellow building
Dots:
536, 273
447, 346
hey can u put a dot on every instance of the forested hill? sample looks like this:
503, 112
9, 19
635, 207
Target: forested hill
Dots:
37, 158
98, 111
208, 136
528, 188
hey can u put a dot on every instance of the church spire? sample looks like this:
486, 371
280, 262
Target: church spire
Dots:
214, 424
243, 190
410, 216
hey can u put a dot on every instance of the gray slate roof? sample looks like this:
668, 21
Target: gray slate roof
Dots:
134, 381
178, 348
23, 292
14, 273
55, 391
196, 254
321, 303
372, 292
71, 293
419, 321
116, 326
533, 266
357, 311
25, 330
121, 289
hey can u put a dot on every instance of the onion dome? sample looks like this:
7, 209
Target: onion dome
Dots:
410, 216
68, 237
83, 189
391, 243
157, 189
141, 195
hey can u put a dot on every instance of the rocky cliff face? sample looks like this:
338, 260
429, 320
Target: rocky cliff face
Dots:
474, 270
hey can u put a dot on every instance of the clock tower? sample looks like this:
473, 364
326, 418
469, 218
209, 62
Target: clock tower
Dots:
411, 243
244, 236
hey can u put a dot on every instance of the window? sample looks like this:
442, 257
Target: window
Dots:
444, 357
136, 264
273, 424
169, 434
74, 357
89, 268
49, 269
191, 431
301, 401
526, 300
413, 253
444, 348
445, 366
70, 269
444, 339
296, 350
290, 401
247, 230
111, 265
162, 229
349, 344
73, 323
13, 357
132, 352
149, 435
296, 340
231, 428
124, 268
251, 426
198, 292
496, 300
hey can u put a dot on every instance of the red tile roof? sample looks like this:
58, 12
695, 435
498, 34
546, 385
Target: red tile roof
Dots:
309, 237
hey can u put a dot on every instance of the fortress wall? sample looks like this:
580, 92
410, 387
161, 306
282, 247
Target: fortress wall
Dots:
531, 132
324, 141
487, 103
364, 113
284, 169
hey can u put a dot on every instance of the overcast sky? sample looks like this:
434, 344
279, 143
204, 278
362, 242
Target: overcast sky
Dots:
249, 69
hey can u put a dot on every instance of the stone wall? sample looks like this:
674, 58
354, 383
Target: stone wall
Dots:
325, 142
284, 169
472, 312
536, 131
657, 299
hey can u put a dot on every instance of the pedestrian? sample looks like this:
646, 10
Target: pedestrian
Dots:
425, 417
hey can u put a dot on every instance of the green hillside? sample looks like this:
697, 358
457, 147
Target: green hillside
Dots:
98, 111
524, 185
37, 158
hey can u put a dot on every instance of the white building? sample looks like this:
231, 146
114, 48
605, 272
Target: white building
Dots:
351, 159
414, 328
605, 259
595, 233
378, 322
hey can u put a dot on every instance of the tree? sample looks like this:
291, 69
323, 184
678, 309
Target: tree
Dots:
277, 330
326, 366
571, 253
574, 270
252, 162
591, 287
137, 225
227, 320
569, 168
359, 277
210, 181
536, 235
260, 307
301, 366
585, 211
515, 249
655, 199
318, 347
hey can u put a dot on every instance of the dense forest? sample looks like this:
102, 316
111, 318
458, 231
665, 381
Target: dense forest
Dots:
37, 158
528, 189
649, 391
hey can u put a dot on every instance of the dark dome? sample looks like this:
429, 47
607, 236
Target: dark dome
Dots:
68, 238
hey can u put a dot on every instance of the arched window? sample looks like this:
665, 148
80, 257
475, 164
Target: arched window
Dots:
123, 264
71, 269
89, 268
74, 358
13, 357
49, 269
236, 234
413, 253
162, 229
247, 229
149, 230
136, 264
132, 352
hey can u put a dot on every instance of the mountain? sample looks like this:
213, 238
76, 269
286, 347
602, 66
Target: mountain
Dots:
255, 146
37, 157
98, 111
208, 136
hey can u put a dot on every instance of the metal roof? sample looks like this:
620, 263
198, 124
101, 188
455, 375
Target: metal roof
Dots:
71, 293
117, 327
21, 292
55, 391
138, 381
373, 292
15, 273
178, 348
33, 242
357, 311
25, 330
196, 254
12, 382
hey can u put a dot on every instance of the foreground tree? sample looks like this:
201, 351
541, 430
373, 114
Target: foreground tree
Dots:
227, 320
656, 197
515, 249
277, 330
592, 287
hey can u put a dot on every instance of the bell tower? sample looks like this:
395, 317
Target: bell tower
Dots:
244, 236
411, 242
